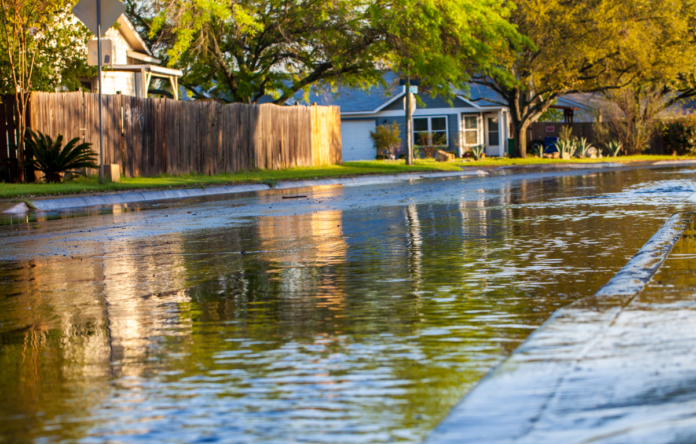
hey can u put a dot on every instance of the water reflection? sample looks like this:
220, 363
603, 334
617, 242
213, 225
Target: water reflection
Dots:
358, 315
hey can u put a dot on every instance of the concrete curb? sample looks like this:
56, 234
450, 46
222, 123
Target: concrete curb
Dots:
148, 196
13, 208
518, 402
563, 166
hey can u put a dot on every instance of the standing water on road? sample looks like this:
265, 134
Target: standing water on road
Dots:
348, 315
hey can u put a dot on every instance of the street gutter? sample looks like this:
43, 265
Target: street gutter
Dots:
63, 203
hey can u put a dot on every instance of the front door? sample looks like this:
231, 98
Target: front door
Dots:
493, 135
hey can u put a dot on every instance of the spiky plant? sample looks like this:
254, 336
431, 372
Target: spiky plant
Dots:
478, 150
566, 148
538, 150
52, 158
613, 147
583, 146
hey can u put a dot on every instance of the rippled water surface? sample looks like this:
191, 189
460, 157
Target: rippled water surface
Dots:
350, 315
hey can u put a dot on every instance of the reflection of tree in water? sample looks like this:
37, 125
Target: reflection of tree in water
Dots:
290, 316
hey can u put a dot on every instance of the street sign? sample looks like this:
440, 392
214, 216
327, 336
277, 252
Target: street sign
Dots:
93, 52
413, 89
415, 82
86, 11
98, 16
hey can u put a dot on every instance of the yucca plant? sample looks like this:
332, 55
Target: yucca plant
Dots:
583, 146
538, 150
613, 147
52, 158
566, 148
478, 150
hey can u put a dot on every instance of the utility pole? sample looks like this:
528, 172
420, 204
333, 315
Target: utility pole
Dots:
99, 70
409, 122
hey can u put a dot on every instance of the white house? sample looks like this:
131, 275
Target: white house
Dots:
470, 120
133, 66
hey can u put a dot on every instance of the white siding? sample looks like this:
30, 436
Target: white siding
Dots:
113, 82
120, 46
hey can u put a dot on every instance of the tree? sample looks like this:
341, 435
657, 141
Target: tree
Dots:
42, 47
588, 46
242, 51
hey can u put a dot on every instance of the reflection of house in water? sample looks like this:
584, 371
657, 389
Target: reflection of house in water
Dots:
302, 250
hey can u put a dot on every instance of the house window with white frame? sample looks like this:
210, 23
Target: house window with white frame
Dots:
470, 130
435, 126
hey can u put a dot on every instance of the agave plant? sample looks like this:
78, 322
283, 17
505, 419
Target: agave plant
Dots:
566, 148
613, 147
583, 146
52, 158
538, 150
478, 150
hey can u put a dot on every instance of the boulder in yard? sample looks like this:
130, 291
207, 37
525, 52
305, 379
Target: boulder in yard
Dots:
591, 153
444, 156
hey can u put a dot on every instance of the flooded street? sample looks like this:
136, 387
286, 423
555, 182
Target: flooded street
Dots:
329, 314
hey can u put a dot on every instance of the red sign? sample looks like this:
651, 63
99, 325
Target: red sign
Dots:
550, 129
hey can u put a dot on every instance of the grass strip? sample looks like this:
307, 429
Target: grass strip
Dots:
89, 185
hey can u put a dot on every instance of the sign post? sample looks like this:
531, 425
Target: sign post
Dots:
408, 106
90, 13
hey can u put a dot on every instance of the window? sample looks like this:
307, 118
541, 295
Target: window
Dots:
471, 130
493, 132
435, 126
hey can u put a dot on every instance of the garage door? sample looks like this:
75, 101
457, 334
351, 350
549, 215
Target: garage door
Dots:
355, 137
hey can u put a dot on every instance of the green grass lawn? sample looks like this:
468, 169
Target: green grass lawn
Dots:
91, 185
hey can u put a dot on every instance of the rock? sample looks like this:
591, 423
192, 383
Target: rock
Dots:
554, 155
591, 153
444, 156
566, 156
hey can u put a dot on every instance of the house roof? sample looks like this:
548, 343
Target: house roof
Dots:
357, 100
131, 35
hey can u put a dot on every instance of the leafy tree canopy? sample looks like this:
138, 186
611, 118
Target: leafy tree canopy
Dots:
241, 51
55, 39
590, 46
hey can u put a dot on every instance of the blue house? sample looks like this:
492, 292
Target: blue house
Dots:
470, 119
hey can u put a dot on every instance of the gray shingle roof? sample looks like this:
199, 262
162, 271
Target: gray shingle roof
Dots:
357, 100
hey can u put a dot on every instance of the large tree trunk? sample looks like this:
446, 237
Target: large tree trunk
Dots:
520, 134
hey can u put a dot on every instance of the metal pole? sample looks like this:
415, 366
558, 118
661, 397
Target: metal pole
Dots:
99, 69
409, 123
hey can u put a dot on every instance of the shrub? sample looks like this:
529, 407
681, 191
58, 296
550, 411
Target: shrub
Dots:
428, 143
582, 146
538, 149
386, 139
566, 147
613, 148
679, 135
478, 151
52, 158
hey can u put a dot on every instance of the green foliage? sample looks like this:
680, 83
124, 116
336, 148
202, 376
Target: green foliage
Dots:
591, 46
57, 42
582, 146
478, 151
566, 133
427, 143
239, 51
613, 148
679, 135
538, 150
566, 148
386, 139
52, 158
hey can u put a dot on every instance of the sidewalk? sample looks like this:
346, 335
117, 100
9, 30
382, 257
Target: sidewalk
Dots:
618, 367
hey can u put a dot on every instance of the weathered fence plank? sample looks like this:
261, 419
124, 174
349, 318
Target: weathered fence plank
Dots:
148, 137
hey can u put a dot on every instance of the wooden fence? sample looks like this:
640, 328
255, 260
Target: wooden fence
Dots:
148, 137
8, 122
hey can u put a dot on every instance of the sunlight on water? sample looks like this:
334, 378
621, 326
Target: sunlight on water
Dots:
355, 315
